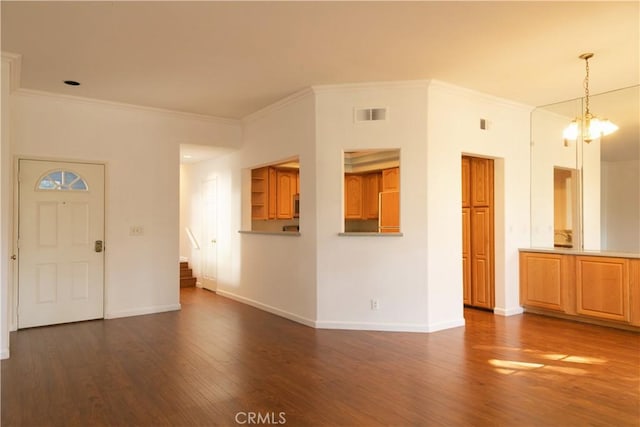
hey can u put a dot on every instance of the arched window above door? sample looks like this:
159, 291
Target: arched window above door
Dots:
62, 180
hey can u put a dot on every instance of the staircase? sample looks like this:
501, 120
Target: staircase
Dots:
186, 276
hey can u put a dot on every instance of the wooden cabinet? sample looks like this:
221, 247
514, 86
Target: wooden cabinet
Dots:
595, 289
545, 281
466, 176
602, 287
370, 192
353, 196
272, 202
634, 291
272, 192
466, 256
481, 257
286, 188
477, 234
389, 221
361, 195
391, 179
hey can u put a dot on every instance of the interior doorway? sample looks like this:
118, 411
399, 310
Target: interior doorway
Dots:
478, 242
60, 242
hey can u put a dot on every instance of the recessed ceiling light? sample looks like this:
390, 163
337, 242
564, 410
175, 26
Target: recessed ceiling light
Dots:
72, 83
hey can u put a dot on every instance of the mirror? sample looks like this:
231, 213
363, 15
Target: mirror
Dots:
587, 195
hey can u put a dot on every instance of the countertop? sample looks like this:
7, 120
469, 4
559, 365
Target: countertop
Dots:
567, 251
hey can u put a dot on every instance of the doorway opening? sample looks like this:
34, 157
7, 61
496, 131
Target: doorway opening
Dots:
478, 241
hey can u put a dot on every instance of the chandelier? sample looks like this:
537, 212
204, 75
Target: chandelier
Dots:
588, 126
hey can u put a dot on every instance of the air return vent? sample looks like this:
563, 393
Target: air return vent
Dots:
370, 114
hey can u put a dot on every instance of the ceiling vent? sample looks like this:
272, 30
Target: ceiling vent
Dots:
370, 114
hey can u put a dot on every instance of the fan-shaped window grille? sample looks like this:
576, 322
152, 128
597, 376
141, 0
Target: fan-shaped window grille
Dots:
62, 180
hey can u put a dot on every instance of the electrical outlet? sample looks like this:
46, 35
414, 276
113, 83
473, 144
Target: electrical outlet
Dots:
136, 230
375, 304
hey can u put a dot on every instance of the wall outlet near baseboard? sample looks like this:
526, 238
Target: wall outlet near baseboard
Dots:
375, 304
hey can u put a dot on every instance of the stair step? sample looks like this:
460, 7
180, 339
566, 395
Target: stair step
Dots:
184, 264
187, 282
186, 272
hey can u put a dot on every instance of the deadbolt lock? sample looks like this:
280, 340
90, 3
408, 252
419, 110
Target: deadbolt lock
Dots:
98, 246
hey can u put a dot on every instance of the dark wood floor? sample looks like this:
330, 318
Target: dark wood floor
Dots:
217, 358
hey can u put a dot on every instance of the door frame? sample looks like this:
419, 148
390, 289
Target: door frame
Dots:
15, 219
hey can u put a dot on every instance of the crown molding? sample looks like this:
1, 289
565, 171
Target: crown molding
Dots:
370, 85
474, 93
125, 106
278, 105
15, 64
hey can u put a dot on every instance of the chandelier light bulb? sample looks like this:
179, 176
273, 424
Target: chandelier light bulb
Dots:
588, 126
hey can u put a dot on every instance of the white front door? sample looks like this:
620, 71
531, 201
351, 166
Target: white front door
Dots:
60, 242
210, 228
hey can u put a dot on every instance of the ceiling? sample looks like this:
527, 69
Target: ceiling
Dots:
229, 59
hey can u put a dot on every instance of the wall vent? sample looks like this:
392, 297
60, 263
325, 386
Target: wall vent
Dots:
370, 114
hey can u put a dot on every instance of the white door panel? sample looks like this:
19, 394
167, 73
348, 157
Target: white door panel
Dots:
210, 228
60, 274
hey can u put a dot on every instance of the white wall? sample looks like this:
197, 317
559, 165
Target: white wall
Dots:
352, 270
140, 148
454, 129
621, 206
274, 272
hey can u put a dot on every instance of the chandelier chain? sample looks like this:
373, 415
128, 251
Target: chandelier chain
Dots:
586, 86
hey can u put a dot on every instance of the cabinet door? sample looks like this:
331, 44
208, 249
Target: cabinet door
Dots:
602, 287
481, 182
481, 258
353, 197
286, 186
389, 221
391, 179
544, 279
466, 256
371, 189
273, 191
466, 176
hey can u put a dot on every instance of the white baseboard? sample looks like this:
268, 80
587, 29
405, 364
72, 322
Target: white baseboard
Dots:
268, 308
449, 324
371, 326
142, 311
389, 327
4, 353
508, 311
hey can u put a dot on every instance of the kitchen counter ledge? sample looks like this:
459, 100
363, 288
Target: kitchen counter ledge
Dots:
272, 233
567, 251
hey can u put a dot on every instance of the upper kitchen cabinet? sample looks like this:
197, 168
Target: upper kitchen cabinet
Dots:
285, 192
391, 179
372, 191
275, 195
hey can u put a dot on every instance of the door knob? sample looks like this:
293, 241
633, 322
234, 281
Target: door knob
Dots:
13, 257
98, 246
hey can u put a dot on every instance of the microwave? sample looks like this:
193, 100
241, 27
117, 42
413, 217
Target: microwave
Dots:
296, 205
